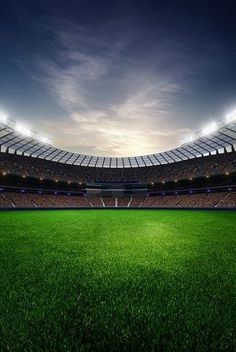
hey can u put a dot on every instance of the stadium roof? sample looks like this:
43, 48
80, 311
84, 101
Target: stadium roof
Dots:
220, 137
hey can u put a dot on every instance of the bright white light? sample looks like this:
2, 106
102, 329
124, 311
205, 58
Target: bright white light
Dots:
3, 119
231, 117
23, 130
43, 139
212, 127
188, 139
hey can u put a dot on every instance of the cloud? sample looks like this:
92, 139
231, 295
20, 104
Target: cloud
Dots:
115, 103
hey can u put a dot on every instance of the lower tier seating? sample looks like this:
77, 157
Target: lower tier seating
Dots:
39, 200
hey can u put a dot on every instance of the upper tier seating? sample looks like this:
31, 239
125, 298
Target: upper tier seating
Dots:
43, 169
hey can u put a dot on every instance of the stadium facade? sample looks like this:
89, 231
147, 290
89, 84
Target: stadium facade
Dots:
198, 173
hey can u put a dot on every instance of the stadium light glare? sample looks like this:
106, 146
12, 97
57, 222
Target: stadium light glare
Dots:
43, 139
212, 127
188, 139
23, 130
230, 117
3, 119
191, 139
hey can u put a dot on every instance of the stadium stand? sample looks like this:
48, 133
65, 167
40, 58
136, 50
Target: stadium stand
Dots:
95, 202
229, 201
40, 201
5, 202
23, 166
211, 200
19, 200
201, 200
198, 174
109, 201
123, 202
77, 202
190, 201
136, 201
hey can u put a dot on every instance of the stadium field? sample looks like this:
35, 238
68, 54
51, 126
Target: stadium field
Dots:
117, 280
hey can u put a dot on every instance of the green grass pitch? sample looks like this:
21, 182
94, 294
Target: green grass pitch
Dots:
117, 280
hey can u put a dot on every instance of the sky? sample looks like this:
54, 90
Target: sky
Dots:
117, 78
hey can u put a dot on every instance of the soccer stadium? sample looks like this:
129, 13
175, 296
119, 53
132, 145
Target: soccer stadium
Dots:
135, 270
117, 176
198, 174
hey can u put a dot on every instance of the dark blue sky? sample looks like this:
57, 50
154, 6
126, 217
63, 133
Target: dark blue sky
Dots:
117, 78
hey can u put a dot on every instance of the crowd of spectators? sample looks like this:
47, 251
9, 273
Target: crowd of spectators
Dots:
198, 167
109, 201
220, 164
228, 201
198, 200
123, 201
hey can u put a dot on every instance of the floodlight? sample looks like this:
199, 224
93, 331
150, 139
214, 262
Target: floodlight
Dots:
23, 130
43, 139
188, 139
3, 119
230, 117
212, 127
